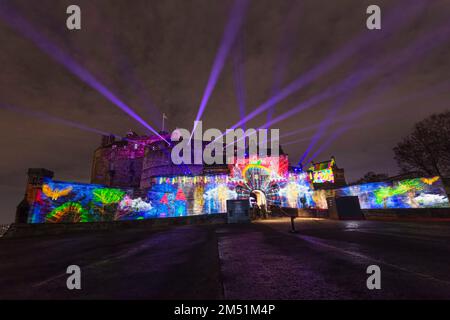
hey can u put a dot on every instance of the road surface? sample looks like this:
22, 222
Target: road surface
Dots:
324, 260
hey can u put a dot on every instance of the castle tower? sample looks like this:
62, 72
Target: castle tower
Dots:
36, 177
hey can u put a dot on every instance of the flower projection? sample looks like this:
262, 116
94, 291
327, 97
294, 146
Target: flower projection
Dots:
137, 205
430, 200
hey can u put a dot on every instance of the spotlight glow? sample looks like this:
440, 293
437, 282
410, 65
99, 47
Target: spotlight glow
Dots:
234, 24
286, 47
50, 118
414, 51
238, 76
17, 23
391, 22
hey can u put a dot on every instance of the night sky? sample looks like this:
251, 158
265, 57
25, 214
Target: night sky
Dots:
156, 56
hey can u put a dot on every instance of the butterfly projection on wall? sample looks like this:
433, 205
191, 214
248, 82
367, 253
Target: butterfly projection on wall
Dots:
54, 194
430, 181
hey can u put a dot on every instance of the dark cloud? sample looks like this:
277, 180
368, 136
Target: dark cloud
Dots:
157, 55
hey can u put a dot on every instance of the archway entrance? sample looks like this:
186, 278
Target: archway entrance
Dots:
260, 197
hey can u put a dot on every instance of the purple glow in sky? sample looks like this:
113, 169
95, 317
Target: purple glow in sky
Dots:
396, 19
368, 107
338, 103
130, 77
20, 25
349, 120
232, 28
238, 75
406, 55
48, 117
163, 52
287, 44
412, 52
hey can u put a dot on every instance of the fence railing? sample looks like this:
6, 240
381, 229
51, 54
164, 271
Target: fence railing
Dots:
3, 229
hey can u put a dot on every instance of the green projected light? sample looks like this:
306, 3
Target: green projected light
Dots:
107, 195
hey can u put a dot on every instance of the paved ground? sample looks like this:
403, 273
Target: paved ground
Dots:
325, 260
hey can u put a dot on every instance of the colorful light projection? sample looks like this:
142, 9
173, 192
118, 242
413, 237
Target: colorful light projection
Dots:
186, 195
76, 202
163, 197
54, 194
297, 192
319, 198
323, 176
384, 193
107, 195
277, 167
137, 205
263, 174
69, 211
198, 180
431, 200
130, 209
216, 198
322, 172
271, 176
199, 200
410, 193
63, 202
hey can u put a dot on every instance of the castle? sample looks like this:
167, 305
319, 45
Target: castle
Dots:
134, 178
134, 160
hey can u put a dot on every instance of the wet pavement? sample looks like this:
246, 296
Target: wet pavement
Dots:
324, 260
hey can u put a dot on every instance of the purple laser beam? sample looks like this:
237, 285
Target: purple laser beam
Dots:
415, 50
339, 132
379, 90
20, 25
126, 69
391, 22
238, 75
286, 47
297, 141
325, 123
364, 109
232, 28
51, 118
340, 100
368, 107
